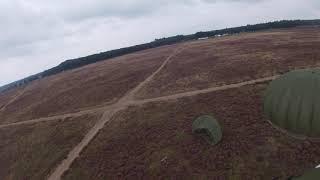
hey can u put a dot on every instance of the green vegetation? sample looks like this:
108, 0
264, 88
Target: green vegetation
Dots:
292, 102
82, 61
310, 175
208, 126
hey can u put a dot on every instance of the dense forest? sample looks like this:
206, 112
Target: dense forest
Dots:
82, 61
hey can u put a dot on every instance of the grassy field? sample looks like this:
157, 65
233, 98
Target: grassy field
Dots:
32, 151
89, 86
237, 58
155, 142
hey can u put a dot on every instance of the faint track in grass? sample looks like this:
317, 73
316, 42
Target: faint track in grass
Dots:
143, 101
203, 91
13, 99
123, 103
75, 152
109, 112
53, 118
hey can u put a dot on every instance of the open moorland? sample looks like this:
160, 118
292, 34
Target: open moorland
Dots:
32, 151
155, 141
130, 117
9, 96
87, 87
236, 58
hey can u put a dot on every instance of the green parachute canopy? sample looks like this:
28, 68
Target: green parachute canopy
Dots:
209, 127
312, 174
292, 103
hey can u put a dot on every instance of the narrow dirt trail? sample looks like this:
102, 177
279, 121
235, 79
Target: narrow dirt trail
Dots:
75, 152
13, 99
109, 112
202, 91
54, 118
123, 103
143, 101
124, 100
130, 96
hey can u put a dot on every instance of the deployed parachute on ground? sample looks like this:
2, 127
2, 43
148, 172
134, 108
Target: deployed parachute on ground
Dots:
209, 127
312, 174
292, 103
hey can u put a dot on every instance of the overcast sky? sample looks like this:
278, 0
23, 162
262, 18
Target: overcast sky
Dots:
39, 34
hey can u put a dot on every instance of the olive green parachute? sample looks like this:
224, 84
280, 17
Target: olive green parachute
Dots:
292, 103
312, 174
209, 127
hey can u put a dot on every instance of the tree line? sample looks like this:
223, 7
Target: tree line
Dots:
82, 61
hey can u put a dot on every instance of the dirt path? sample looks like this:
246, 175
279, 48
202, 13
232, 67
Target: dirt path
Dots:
109, 112
66, 163
203, 91
133, 102
13, 99
122, 104
130, 96
54, 118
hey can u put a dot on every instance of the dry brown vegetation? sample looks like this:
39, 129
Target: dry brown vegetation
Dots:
93, 85
7, 96
155, 142
32, 151
237, 58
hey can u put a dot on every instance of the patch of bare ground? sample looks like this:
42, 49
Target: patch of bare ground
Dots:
154, 141
91, 86
32, 151
236, 58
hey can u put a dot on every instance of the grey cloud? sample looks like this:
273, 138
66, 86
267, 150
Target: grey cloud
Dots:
82, 9
44, 33
24, 22
237, 1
